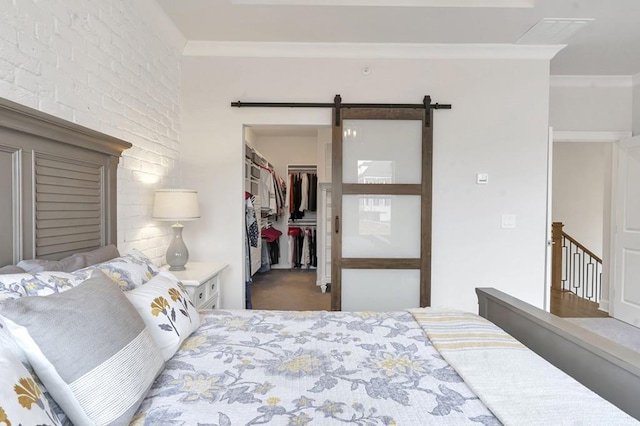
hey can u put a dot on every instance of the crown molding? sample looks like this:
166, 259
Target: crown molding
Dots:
369, 50
589, 136
592, 80
394, 3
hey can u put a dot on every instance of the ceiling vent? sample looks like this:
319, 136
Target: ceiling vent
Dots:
553, 30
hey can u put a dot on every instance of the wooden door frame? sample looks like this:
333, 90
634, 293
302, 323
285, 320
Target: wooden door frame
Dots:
424, 189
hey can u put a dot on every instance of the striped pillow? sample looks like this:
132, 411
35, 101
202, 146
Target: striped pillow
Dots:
89, 347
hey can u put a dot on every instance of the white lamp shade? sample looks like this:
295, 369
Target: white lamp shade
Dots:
176, 205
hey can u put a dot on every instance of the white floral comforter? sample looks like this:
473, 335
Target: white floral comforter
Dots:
317, 368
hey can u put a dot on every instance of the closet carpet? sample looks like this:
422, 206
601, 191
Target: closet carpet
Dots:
285, 290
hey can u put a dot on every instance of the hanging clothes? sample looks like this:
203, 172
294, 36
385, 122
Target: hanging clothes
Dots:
312, 248
295, 197
270, 237
313, 192
304, 192
295, 246
251, 220
265, 261
272, 189
274, 252
311, 259
280, 190
267, 191
289, 202
305, 258
251, 239
302, 247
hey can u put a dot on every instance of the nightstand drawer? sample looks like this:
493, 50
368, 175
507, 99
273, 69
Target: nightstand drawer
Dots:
199, 295
212, 303
212, 286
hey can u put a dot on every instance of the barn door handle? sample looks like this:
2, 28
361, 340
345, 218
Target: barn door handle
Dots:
337, 227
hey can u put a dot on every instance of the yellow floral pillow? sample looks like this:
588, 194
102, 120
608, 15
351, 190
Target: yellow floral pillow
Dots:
21, 399
167, 310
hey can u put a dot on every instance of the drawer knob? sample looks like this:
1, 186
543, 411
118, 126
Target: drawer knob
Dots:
200, 296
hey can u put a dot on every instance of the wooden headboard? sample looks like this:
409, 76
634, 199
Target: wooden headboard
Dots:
58, 191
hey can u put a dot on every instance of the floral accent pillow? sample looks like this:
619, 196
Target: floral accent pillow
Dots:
167, 310
22, 402
129, 271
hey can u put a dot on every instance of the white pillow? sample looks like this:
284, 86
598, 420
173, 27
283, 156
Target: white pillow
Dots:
21, 399
167, 310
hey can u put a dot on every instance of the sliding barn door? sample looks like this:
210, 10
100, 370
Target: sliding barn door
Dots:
381, 255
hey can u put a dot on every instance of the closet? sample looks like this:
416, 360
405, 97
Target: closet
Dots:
300, 156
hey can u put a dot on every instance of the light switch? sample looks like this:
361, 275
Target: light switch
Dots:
508, 221
482, 178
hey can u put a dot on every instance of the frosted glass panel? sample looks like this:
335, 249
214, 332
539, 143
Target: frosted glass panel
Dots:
382, 151
380, 289
385, 226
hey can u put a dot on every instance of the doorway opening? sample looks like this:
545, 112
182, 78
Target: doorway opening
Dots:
286, 169
583, 189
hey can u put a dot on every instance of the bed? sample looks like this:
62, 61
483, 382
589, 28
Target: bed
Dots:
224, 367
364, 368
424, 366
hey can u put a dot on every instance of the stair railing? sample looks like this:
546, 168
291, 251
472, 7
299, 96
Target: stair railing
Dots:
574, 267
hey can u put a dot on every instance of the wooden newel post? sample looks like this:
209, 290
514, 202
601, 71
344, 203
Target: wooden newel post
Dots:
556, 255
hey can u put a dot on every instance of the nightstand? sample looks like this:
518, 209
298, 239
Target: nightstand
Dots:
202, 280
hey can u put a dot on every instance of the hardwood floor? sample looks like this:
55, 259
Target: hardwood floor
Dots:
282, 289
567, 305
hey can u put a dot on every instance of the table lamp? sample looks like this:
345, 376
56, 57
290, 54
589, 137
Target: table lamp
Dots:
176, 205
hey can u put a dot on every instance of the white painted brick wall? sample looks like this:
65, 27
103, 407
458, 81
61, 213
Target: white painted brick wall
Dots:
113, 66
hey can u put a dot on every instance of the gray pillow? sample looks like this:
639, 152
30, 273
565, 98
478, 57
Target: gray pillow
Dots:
68, 264
100, 255
90, 348
11, 269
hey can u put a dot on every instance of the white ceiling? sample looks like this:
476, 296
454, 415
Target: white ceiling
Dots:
608, 46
